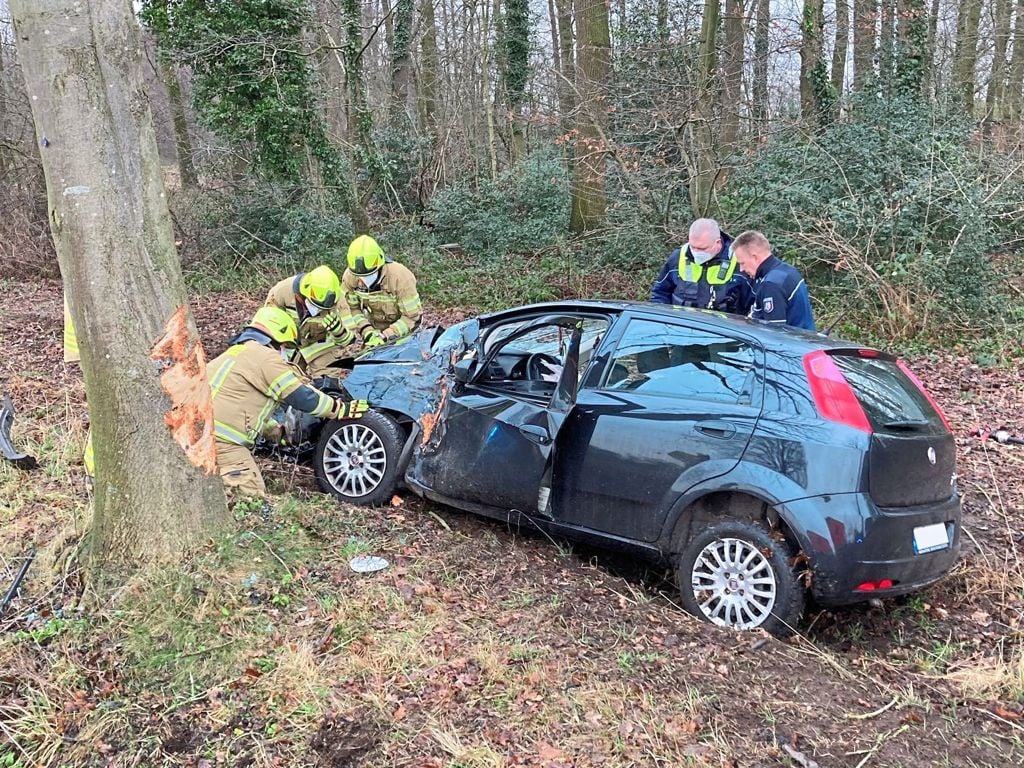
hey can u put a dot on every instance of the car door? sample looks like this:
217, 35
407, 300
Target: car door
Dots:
501, 423
675, 405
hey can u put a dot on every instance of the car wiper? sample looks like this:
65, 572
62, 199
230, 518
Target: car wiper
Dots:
908, 425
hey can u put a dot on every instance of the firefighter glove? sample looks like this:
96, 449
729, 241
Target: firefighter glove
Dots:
373, 339
352, 409
332, 324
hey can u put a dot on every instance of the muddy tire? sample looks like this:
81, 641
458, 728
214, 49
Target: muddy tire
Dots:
734, 574
357, 460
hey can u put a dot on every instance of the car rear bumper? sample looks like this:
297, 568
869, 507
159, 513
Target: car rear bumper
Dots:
849, 542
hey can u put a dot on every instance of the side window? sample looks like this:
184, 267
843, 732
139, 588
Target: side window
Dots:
522, 351
664, 359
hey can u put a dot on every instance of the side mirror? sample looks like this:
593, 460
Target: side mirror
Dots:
464, 369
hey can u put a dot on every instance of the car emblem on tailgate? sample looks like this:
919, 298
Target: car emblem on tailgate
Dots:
931, 455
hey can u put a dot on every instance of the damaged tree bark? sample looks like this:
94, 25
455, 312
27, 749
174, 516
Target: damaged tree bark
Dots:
157, 489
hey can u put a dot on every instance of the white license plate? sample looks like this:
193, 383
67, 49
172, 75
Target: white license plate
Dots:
930, 538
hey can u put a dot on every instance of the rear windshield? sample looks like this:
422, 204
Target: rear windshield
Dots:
892, 402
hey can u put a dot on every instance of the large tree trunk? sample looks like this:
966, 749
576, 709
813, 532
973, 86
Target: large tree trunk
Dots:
1015, 82
401, 64
865, 13
593, 80
732, 72
815, 100
429, 67
516, 69
995, 98
838, 75
705, 168
182, 142
759, 90
157, 487
912, 52
965, 55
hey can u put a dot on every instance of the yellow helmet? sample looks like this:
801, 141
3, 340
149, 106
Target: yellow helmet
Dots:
320, 286
277, 324
365, 256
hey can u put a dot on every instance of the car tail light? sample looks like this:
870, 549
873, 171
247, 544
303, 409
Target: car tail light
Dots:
833, 395
871, 586
917, 383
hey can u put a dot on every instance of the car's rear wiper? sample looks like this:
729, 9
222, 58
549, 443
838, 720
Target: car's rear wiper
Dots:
908, 425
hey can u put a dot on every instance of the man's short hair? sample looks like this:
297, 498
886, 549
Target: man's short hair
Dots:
752, 238
705, 227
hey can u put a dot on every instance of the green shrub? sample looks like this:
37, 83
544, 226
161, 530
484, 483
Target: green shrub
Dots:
892, 213
524, 210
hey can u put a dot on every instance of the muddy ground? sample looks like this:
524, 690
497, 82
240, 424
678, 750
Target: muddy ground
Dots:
595, 662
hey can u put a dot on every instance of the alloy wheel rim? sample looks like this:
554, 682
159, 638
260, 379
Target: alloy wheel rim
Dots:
355, 460
734, 584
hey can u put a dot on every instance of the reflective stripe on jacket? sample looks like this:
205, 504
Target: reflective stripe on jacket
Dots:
313, 337
716, 284
247, 381
393, 306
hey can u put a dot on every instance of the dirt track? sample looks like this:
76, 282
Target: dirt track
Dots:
823, 697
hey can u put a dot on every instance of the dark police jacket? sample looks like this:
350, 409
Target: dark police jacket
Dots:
716, 284
781, 296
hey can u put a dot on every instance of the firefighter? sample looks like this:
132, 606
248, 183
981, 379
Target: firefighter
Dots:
311, 299
703, 273
248, 381
379, 299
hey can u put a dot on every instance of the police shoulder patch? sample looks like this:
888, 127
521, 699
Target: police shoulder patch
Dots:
769, 304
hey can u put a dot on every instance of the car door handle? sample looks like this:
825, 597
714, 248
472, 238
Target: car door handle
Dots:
723, 430
535, 434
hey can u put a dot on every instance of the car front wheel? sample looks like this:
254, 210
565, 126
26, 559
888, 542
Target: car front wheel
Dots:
734, 574
357, 460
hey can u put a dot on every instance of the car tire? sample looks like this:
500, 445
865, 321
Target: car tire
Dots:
735, 574
357, 459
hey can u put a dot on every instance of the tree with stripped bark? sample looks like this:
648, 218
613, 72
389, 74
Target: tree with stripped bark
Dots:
158, 492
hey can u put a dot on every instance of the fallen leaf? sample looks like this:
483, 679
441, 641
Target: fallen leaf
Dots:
1006, 714
397, 501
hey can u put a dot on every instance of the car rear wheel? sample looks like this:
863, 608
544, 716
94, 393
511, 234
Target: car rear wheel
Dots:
734, 574
357, 460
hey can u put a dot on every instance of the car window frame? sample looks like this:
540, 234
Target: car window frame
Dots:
623, 322
526, 322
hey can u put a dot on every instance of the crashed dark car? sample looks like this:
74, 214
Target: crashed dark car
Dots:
765, 464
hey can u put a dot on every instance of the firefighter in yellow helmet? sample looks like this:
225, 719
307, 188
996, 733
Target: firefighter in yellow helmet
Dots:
379, 299
248, 381
311, 299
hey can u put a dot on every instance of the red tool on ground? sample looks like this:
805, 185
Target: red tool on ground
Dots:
1001, 435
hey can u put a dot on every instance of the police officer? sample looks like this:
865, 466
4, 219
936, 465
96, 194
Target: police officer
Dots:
311, 299
780, 293
380, 302
248, 381
703, 273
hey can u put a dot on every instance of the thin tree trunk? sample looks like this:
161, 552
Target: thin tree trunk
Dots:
662, 21
965, 55
485, 87
732, 72
358, 118
886, 42
815, 103
706, 167
995, 97
838, 75
182, 142
567, 59
760, 66
928, 75
1015, 82
157, 488
556, 59
865, 13
593, 80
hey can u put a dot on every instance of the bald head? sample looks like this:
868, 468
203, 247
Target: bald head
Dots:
705, 239
750, 249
